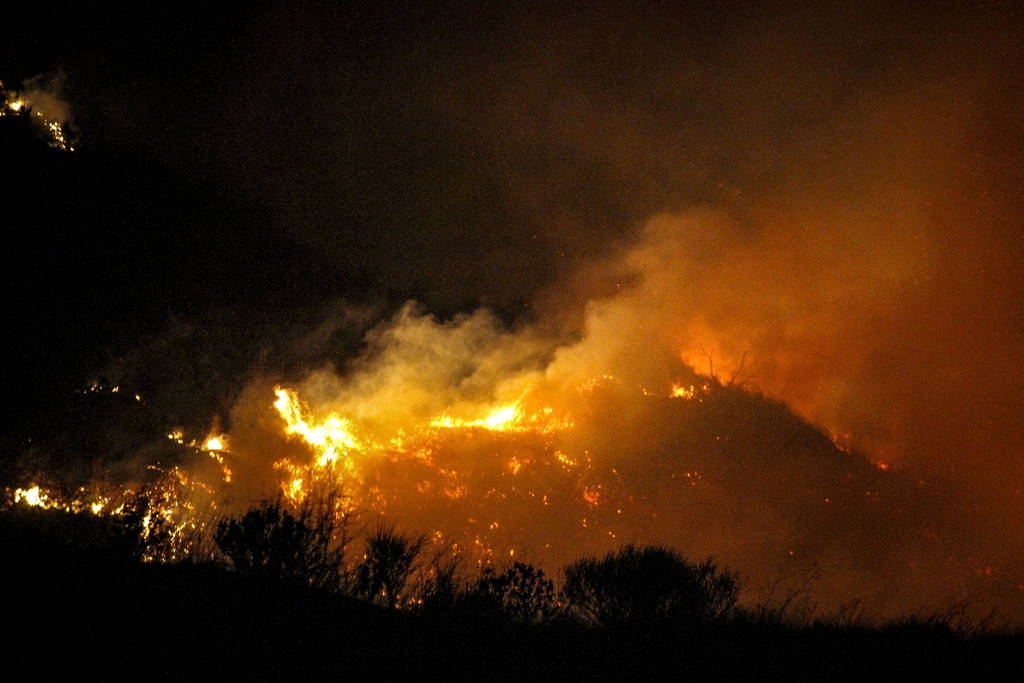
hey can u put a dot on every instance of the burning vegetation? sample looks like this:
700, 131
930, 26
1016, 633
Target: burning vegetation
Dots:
510, 452
17, 106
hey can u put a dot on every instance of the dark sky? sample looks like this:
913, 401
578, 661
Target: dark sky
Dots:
467, 154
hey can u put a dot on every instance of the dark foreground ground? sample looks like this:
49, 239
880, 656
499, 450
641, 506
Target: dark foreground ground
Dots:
74, 608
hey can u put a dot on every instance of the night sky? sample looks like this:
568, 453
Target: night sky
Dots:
828, 194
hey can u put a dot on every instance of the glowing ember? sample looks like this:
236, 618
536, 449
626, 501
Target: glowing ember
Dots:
679, 391
32, 497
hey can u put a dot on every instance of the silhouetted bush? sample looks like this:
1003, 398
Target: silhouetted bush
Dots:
635, 585
272, 543
520, 592
68, 570
387, 565
438, 587
143, 530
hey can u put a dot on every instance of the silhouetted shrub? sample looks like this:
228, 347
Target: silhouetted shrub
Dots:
271, 542
438, 588
647, 584
521, 593
143, 530
387, 565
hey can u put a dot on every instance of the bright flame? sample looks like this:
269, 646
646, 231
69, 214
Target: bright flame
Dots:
501, 419
177, 509
32, 496
331, 439
421, 469
680, 391
507, 417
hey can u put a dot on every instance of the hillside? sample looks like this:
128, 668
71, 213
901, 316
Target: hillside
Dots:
73, 594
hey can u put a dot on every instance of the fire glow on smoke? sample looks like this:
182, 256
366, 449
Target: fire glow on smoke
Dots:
528, 457
501, 443
518, 445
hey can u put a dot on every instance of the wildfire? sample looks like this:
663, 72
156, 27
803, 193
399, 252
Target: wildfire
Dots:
679, 391
688, 391
472, 460
53, 130
481, 477
38, 496
335, 441
508, 417
33, 497
171, 511
333, 438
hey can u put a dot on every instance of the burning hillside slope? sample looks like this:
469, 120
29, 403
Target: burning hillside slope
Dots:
494, 445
